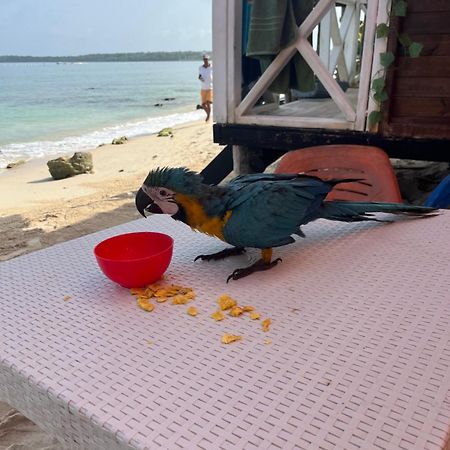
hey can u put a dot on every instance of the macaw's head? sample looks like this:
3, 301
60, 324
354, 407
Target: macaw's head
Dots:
158, 193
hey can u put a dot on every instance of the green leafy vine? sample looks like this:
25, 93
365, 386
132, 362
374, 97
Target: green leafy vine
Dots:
387, 59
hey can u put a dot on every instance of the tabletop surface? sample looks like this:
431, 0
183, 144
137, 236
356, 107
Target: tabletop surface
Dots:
357, 356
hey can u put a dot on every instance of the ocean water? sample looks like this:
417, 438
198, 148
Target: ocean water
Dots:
53, 109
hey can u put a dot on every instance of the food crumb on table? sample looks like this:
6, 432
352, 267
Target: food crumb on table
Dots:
236, 311
192, 311
180, 300
145, 304
161, 293
218, 316
229, 338
226, 302
266, 324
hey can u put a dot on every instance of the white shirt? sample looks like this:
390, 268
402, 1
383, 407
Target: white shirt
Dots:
206, 77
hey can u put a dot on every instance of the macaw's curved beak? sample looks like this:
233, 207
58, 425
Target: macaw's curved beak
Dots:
142, 200
145, 203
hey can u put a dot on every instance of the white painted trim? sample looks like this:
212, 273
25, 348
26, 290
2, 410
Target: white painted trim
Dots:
324, 39
343, 35
380, 46
337, 56
351, 43
220, 61
346, 21
234, 54
366, 67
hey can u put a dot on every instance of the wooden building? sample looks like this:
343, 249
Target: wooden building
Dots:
419, 89
338, 44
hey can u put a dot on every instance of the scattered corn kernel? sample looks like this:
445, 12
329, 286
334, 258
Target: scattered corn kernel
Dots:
173, 291
162, 292
190, 295
236, 311
266, 324
218, 316
137, 291
183, 290
228, 338
255, 315
226, 302
267, 341
192, 311
145, 304
248, 308
180, 300
67, 298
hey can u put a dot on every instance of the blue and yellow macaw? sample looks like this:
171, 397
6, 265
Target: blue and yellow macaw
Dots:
257, 210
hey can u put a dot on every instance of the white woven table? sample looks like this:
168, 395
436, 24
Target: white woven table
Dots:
359, 358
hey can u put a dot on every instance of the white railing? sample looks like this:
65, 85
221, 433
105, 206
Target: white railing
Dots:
338, 39
337, 43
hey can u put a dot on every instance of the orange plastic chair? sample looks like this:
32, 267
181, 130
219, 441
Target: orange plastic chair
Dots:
370, 164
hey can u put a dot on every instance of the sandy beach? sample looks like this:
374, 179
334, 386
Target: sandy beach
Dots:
37, 211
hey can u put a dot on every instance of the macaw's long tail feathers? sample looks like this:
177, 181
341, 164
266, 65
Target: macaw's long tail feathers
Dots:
346, 211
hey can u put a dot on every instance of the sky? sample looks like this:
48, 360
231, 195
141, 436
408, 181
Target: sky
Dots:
78, 27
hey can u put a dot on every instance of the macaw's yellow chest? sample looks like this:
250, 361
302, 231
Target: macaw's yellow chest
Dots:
197, 218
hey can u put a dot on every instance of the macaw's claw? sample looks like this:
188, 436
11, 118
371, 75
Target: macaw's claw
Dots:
232, 251
257, 267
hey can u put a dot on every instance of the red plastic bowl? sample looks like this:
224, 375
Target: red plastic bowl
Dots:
135, 259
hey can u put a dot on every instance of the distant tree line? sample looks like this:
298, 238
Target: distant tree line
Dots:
109, 57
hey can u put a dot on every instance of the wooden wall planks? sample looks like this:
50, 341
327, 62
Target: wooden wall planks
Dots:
419, 103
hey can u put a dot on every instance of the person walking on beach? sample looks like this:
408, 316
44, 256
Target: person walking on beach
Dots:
206, 78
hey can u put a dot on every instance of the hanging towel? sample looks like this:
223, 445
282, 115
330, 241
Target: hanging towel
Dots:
273, 26
251, 69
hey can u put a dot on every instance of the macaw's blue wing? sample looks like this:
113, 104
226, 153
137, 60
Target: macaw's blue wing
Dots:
267, 209
243, 187
244, 180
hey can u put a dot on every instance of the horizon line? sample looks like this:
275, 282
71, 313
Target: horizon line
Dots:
106, 54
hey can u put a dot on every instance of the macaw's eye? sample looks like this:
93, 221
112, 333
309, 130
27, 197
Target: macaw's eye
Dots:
163, 192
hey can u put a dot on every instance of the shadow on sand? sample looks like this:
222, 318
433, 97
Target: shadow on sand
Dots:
20, 236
